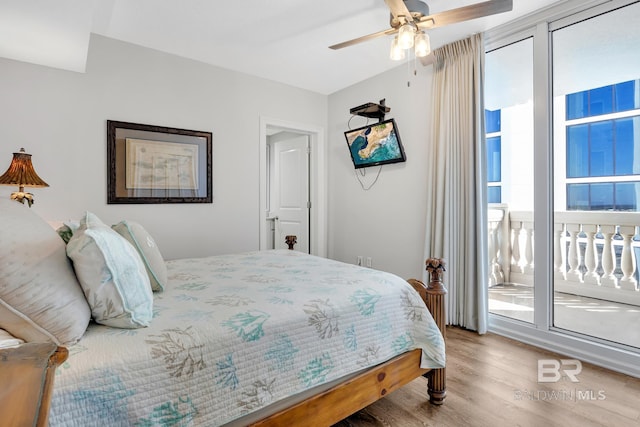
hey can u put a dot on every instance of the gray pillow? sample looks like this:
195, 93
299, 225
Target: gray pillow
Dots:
40, 297
148, 250
111, 274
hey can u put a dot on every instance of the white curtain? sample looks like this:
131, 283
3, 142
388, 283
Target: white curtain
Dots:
456, 226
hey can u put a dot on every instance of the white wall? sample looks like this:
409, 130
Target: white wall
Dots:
387, 222
60, 118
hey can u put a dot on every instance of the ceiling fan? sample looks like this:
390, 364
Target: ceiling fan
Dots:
409, 19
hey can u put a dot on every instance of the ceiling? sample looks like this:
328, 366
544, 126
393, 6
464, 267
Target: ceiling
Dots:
281, 40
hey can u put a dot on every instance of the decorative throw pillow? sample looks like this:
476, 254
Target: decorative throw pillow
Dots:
65, 233
112, 275
40, 298
148, 250
66, 230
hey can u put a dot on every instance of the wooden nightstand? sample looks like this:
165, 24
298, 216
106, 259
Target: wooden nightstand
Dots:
26, 382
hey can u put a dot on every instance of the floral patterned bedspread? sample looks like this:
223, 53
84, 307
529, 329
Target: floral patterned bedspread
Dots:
234, 333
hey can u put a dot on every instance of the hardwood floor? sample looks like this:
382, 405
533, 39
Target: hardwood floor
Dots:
493, 381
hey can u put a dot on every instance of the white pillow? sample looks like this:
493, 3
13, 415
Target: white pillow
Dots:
112, 275
148, 250
40, 298
8, 341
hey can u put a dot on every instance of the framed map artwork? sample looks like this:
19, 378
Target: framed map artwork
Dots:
153, 164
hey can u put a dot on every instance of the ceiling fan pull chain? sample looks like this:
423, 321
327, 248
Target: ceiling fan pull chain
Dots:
409, 70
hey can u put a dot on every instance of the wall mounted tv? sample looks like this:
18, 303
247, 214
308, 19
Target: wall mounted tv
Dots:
375, 144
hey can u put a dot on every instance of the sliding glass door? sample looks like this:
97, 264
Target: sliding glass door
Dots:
596, 149
510, 175
564, 223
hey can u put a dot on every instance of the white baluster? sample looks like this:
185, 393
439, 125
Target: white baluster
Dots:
492, 253
590, 258
528, 248
497, 269
574, 254
504, 253
497, 222
559, 255
628, 260
608, 279
515, 247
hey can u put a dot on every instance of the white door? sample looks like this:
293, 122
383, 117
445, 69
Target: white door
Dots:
289, 191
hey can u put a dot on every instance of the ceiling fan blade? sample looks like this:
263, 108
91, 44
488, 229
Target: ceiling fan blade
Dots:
465, 13
364, 38
398, 8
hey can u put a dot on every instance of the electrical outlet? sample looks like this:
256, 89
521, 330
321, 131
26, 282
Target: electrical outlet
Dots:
368, 261
359, 260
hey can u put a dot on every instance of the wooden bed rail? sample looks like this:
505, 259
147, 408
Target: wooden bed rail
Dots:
346, 398
434, 297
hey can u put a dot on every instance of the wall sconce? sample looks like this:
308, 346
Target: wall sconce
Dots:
22, 174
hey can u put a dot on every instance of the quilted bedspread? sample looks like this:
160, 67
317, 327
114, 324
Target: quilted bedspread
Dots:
234, 333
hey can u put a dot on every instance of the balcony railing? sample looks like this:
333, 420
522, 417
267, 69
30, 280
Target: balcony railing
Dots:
594, 253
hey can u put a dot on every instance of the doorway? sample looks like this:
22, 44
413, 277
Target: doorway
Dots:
292, 168
288, 195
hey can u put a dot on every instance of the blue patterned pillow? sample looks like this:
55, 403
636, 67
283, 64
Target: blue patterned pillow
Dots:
112, 275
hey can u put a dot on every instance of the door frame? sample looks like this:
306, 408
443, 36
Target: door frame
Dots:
317, 181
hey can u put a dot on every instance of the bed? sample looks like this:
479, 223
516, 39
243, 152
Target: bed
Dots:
257, 338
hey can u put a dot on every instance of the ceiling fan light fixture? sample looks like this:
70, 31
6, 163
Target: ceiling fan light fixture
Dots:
406, 33
408, 19
396, 53
423, 45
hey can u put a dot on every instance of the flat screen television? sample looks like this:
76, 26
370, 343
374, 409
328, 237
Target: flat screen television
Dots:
375, 144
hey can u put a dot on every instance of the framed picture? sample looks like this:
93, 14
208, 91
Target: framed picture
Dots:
155, 164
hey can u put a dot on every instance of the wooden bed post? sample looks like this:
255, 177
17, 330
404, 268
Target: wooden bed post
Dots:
436, 305
28, 373
291, 240
433, 296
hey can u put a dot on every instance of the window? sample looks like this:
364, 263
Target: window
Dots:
602, 139
494, 161
603, 100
